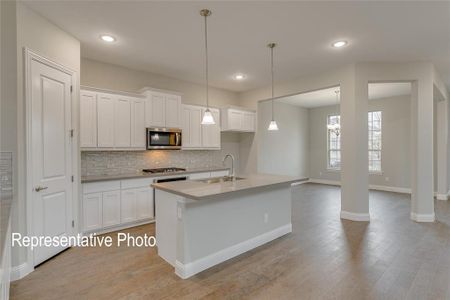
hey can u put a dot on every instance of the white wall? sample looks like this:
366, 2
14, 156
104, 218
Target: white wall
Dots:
286, 151
396, 157
114, 77
41, 36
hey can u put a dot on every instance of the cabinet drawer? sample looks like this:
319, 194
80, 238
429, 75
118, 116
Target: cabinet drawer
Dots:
220, 173
202, 175
136, 183
103, 186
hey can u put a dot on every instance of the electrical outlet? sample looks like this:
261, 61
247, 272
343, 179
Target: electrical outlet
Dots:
266, 218
386, 178
320, 173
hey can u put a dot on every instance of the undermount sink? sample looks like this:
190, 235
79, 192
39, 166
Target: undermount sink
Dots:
221, 179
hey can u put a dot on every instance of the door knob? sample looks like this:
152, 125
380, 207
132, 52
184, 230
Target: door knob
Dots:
40, 188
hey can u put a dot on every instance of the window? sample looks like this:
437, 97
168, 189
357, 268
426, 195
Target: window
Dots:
334, 142
374, 141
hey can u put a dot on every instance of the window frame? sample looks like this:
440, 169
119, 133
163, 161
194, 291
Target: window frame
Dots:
329, 167
337, 169
380, 150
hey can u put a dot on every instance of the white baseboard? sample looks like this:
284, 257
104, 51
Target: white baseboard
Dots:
187, 270
442, 197
423, 217
355, 216
20, 271
371, 186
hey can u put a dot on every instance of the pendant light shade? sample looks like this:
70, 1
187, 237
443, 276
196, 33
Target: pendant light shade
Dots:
208, 118
273, 124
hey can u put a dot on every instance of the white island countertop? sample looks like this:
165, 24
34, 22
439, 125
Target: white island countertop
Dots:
199, 190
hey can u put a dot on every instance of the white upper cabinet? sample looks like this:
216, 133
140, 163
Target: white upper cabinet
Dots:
105, 120
88, 119
196, 135
239, 120
249, 121
118, 120
138, 134
192, 128
122, 130
162, 110
173, 104
155, 115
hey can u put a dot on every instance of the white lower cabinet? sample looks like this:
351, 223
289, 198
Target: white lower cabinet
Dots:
92, 211
128, 206
144, 203
110, 205
111, 208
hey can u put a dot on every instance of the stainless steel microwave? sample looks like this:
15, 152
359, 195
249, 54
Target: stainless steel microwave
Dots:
163, 138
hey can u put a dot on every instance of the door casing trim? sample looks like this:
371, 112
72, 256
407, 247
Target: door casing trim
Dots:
29, 56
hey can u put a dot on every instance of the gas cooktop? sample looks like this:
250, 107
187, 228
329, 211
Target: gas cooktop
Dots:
163, 170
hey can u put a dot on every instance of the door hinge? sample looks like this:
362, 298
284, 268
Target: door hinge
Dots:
73, 223
71, 88
71, 132
73, 178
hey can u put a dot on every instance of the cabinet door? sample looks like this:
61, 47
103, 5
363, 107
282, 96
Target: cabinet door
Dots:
192, 128
144, 203
128, 206
157, 111
211, 133
185, 126
92, 211
235, 119
105, 121
122, 129
88, 119
111, 208
172, 103
248, 121
138, 123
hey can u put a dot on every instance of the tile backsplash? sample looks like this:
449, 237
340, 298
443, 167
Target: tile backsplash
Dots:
126, 162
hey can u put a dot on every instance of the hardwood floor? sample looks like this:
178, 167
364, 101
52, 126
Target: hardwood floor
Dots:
324, 257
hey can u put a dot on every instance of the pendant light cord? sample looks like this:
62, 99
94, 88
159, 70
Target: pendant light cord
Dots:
206, 63
271, 72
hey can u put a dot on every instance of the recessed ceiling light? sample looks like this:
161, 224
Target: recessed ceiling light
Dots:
107, 38
239, 76
340, 44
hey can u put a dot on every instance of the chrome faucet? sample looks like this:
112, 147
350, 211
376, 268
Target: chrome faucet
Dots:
232, 163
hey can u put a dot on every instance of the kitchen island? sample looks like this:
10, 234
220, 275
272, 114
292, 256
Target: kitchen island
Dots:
202, 223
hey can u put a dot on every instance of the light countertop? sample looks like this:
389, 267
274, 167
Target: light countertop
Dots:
198, 190
96, 178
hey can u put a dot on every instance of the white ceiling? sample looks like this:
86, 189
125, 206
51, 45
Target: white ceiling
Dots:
165, 37
327, 97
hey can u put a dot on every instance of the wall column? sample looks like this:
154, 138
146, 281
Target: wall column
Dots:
354, 148
442, 148
422, 186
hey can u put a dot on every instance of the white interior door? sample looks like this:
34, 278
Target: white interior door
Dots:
51, 156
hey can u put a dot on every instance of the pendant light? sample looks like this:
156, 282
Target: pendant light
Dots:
273, 125
336, 127
208, 118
